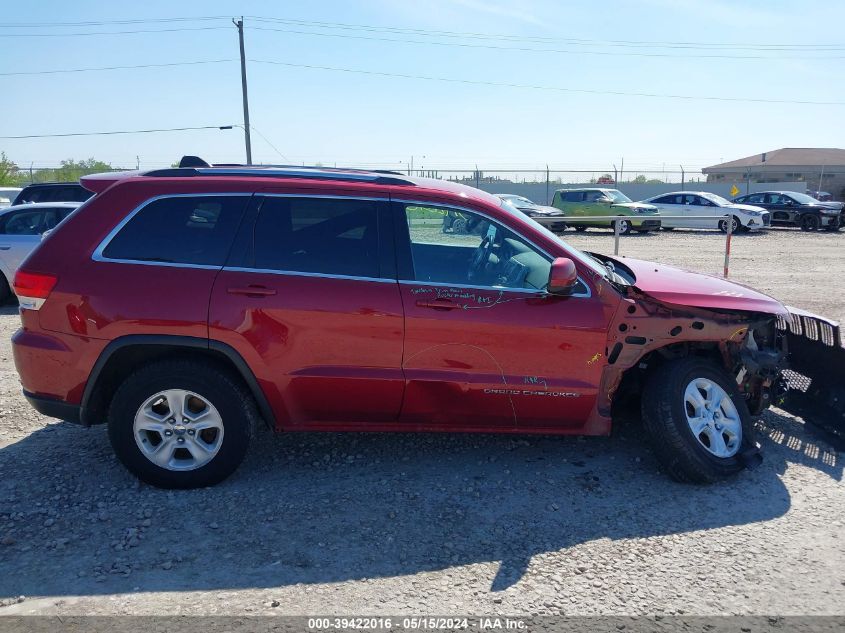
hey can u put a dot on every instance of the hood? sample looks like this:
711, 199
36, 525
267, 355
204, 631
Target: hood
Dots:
830, 205
683, 288
649, 208
544, 210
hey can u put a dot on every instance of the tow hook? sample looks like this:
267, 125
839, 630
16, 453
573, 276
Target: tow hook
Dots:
751, 458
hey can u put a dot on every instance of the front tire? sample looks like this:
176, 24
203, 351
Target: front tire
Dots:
736, 225
580, 229
181, 423
809, 222
697, 421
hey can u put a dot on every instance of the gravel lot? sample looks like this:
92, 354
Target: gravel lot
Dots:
439, 524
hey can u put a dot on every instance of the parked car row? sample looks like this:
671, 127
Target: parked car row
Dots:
681, 209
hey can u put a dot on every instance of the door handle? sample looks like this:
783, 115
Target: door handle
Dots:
438, 304
252, 291
3, 247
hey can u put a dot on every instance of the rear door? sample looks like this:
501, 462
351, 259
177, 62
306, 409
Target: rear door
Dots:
668, 205
309, 297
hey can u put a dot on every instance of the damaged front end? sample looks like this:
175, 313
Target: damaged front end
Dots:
648, 332
814, 383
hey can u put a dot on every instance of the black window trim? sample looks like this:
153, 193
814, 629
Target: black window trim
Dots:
405, 263
385, 241
98, 256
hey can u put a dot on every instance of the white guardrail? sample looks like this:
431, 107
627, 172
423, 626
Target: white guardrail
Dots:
577, 219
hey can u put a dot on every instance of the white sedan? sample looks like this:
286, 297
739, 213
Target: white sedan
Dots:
703, 203
21, 228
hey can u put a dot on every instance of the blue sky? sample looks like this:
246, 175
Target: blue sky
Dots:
313, 115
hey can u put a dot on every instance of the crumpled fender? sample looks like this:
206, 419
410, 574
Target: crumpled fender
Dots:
643, 324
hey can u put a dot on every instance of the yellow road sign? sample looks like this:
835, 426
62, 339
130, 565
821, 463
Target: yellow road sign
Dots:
734, 190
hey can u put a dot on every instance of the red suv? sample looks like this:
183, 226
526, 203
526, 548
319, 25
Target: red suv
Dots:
185, 306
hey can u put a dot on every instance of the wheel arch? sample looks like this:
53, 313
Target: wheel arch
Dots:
632, 381
124, 354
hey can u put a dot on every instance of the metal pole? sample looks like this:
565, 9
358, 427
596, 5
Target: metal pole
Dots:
621, 170
682, 177
477, 176
548, 200
729, 232
616, 237
240, 25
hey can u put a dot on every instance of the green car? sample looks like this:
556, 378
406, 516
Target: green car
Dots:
593, 201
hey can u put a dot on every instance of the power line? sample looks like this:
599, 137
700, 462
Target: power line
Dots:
92, 69
171, 129
437, 33
536, 38
537, 50
497, 84
48, 25
176, 30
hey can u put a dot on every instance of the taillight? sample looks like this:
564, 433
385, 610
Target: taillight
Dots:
33, 288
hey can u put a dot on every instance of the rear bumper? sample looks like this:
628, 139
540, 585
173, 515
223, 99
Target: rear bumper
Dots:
53, 408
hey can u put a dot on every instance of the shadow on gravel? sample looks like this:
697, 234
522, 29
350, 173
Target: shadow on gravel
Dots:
320, 508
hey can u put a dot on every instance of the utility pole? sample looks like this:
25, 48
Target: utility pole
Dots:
240, 25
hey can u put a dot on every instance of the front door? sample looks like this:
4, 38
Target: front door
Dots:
309, 297
485, 346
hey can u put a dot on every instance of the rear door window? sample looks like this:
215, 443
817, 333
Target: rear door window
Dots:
192, 230
331, 236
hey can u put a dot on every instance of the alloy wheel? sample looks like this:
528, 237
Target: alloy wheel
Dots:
713, 418
178, 430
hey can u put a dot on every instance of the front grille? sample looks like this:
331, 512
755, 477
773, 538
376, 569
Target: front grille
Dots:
811, 327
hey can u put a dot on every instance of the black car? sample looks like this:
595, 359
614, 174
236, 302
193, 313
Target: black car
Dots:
790, 208
53, 192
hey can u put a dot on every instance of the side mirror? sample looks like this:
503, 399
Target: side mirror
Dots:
563, 276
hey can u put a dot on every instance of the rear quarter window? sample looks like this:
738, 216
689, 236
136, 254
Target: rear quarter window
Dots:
180, 230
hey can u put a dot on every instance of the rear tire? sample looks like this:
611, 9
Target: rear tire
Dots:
671, 409
668, 228
809, 222
201, 415
5, 290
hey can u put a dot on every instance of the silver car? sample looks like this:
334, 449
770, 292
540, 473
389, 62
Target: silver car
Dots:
21, 228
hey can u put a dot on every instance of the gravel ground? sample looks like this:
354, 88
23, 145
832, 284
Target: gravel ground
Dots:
439, 524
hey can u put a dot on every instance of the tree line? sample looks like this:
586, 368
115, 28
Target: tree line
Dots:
70, 170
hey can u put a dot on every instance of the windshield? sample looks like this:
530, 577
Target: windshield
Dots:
579, 255
616, 195
803, 198
518, 201
719, 200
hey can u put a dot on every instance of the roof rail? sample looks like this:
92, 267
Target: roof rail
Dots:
281, 171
